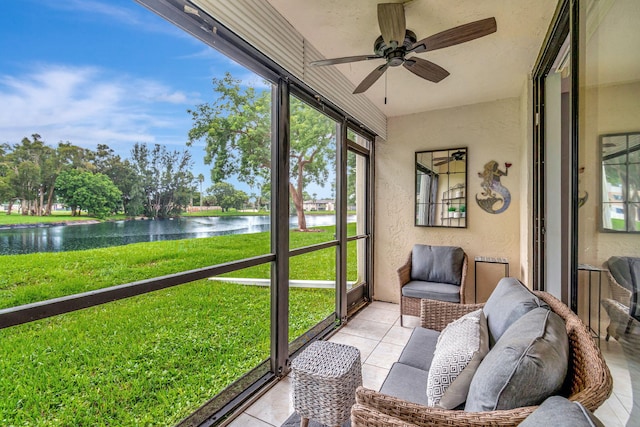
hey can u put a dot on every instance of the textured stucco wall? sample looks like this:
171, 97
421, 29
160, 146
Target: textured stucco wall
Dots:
491, 131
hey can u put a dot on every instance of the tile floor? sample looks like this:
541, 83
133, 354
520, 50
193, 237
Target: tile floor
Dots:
377, 333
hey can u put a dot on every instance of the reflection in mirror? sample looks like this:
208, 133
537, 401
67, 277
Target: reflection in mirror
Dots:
441, 181
620, 182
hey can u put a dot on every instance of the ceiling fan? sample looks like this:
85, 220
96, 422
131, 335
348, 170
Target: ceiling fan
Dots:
396, 42
456, 155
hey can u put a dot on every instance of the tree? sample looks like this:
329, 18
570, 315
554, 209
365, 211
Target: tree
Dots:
227, 196
200, 181
210, 201
237, 133
27, 158
165, 178
7, 191
84, 190
65, 156
123, 175
35, 167
351, 178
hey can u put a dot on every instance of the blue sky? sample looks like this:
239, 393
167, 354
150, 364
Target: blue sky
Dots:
103, 71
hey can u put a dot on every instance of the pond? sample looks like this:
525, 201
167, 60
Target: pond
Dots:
60, 238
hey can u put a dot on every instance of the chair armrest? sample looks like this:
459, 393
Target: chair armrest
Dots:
437, 315
404, 273
362, 416
463, 279
618, 292
382, 405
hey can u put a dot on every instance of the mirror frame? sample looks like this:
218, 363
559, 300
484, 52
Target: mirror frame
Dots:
608, 141
450, 188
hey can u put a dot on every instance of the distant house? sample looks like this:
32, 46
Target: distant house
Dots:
319, 205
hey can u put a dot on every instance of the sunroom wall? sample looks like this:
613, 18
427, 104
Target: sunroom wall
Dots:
491, 131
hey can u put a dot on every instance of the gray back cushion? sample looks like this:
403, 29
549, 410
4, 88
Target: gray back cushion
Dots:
526, 366
441, 264
509, 301
561, 412
619, 268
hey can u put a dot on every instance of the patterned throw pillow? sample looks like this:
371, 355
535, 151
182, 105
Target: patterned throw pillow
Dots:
461, 347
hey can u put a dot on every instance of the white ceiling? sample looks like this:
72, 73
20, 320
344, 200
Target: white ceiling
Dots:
489, 68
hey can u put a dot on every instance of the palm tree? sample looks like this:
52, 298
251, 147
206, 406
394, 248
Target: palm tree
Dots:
201, 180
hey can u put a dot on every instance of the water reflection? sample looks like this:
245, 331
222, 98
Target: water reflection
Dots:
60, 238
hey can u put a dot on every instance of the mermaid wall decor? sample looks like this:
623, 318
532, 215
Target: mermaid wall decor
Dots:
583, 195
495, 198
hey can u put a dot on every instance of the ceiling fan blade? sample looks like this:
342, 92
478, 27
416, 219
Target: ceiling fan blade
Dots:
344, 60
371, 78
456, 35
425, 69
392, 22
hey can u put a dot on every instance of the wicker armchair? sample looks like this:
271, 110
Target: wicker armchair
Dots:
410, 306
621, 283
588, 379
621, 323
618, 292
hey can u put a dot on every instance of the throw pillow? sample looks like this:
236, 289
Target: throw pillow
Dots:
507, 303
461, 347
561, 412
527, 365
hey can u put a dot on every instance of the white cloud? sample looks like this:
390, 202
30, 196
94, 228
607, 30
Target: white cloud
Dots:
128, 13
87, 105
156, 92
250, 79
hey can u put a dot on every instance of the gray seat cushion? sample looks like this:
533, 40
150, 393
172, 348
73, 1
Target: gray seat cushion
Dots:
509, 301
418, 352
561, 412
432, 290
527, 365
440, 264
407, 383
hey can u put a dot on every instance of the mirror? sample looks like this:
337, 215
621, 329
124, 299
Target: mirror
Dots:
441, 188
620, 155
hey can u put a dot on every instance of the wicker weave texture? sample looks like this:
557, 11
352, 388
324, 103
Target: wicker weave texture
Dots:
325, 378
588, 379
436, 315
618, 292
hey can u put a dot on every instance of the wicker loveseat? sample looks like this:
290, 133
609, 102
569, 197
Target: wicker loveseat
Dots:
587, 380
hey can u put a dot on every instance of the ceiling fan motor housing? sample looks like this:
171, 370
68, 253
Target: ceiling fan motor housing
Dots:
394, 55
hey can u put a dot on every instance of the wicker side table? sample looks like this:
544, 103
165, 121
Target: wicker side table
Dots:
325, 377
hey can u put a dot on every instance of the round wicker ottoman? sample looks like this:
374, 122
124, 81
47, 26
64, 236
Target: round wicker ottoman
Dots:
325, 377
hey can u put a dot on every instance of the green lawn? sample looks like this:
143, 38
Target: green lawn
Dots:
152, 359
148, 360
56, 217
